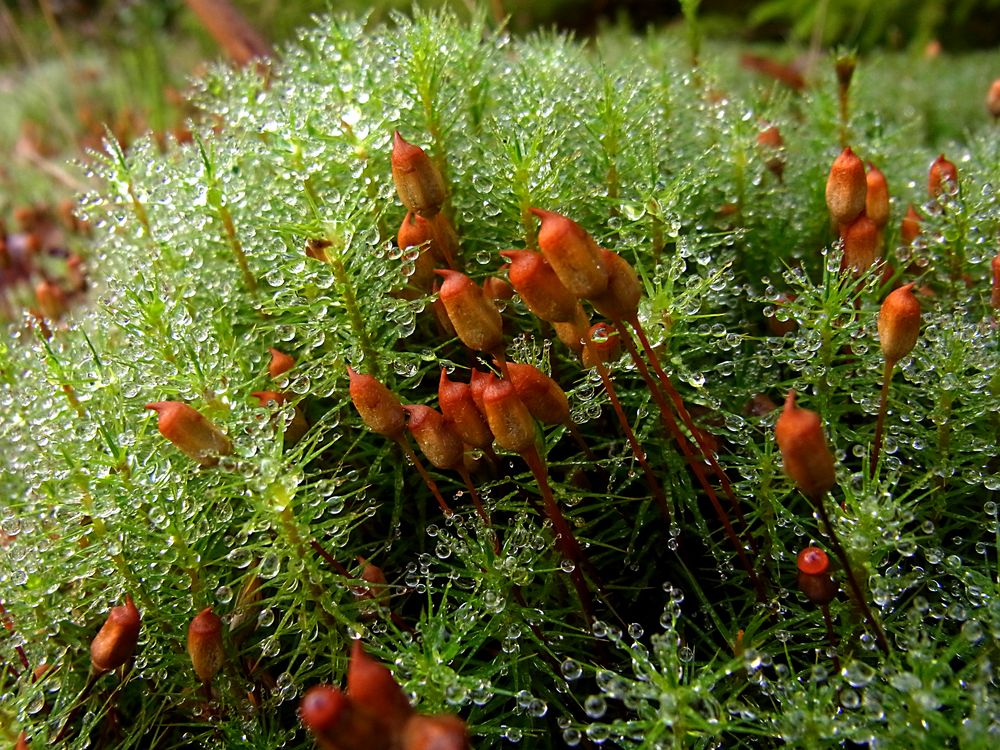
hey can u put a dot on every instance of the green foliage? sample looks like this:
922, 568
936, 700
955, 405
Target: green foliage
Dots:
659, 162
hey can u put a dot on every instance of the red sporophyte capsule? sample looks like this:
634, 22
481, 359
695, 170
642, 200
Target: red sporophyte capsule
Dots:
861, 244
299, 425
372, 688
418, 182
456, 403
191, 432
377, 406
899, 323
539, 286
417, 231
770, 142
572, 334
51, 300
280, 363
204, 644
804, 452
435, 435
497, 289
115, 642
877, 197
572, 253
993, 99
545, 400
846, 187
942, 178
814, 576
909, 228
604, 344
435, 733
995, 293
476, 319
376, 585
510, 421
338, 723
620, 299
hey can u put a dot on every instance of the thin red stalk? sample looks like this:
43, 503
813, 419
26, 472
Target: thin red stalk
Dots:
431, 485
565, 539
637, 451
696, 466
476, 500
318, 548
831, 636
883, 407
852, 580
5, 619
685, 416
578, 437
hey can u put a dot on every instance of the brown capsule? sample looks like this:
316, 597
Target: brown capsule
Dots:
846, 188
204, 644
376, 585
418, 232
510, 421
294, 430
456, 403
51, 300
280, 363
435, 435
545, 400
444, 732
804, 452
603, 344
338, 724
620, 299
373, 689
478, 382
814, 576
572, 253
995, 293
942, 178
539, 286
899, 323
770, 142
441, 316
418, 182
377, 406
115, 642
192, 433
844, 67
993, 99
861, 244
877, 197
476, 319
760, 405
909, 228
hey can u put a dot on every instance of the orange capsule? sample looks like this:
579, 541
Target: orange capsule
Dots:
280, 363
993, 99
814, 576
478, 382
846, 187
995, 293
418, 182
909, 228
510, 421
539, 286
294, 430
770, 142
877, 196
458, 406
942, 177
620, 299
416, 231
377, 406
204, 644
861, 243
435, 435
572, 334
497, 290
603, 344
192, 433
545, 400
444, 732
806, 456
337, 723
376, 585
572, 253
476, 319
115, 642
51, 300
372, 688
899, 323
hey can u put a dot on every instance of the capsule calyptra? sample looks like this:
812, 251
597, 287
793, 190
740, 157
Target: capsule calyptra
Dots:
337, 723
861, 242
280, 363
418, 182
804, 452
435, 435
457, 404
846, 187
620, 299
572, 253
510, 421
191, 432
378, 407
476, 319
545, 400
942, 177
204, 644
539, 286
603, 344
877, 196
115, 642
372, 688
909, 228
899, 323
443, 732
